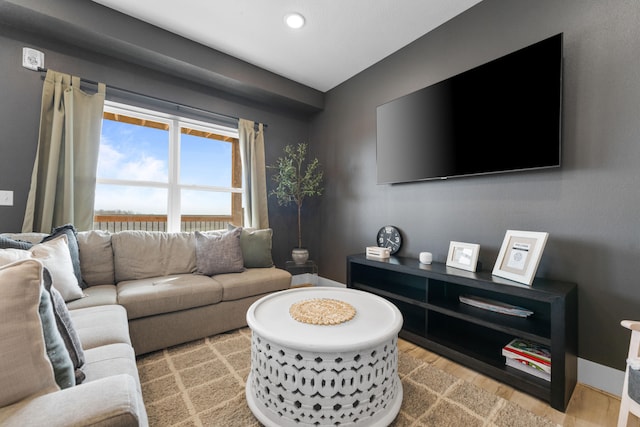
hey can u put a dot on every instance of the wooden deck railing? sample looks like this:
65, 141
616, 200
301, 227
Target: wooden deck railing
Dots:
115, 223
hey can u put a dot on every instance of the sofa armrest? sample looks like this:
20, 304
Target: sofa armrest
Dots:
110, 401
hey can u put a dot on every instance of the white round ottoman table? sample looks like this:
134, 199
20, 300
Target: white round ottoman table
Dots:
324, 356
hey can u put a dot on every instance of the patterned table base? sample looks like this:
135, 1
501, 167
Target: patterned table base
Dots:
299, 388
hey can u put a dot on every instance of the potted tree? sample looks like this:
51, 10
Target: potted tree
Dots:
296, 179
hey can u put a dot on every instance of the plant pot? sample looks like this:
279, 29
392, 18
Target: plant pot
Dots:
299, 255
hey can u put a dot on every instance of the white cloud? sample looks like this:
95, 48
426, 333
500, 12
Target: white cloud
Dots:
135, 166
145, 169
118, 160
109, 160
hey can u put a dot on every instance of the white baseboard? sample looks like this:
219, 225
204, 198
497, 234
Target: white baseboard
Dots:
600, 376
315, 280
327, 282
592, 374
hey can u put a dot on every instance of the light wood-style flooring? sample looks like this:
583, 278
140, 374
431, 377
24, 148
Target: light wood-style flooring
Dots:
588, 406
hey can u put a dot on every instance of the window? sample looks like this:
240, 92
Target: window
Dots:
166, 173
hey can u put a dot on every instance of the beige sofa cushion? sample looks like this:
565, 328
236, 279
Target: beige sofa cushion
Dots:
102, 325
104, 361
25, 369
96, 257
144, 254
112, 401
95, 295
253, 281
157, 295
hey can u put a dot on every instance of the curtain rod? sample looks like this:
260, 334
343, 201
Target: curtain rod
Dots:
153, 98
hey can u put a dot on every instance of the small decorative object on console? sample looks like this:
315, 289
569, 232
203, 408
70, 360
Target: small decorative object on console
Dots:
425, 257
376, 252
389, 237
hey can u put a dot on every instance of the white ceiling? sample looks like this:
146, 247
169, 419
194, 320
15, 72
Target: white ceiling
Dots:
340, 38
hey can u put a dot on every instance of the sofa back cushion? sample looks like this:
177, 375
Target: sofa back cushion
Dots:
96, 257
142, 254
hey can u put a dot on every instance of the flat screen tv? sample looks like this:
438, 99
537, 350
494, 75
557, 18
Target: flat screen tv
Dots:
502, 116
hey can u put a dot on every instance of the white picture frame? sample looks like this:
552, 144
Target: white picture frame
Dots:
520, 255
463, 255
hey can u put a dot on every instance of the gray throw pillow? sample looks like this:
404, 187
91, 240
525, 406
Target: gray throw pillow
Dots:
7, 243
66, 329
218, 253
56, 351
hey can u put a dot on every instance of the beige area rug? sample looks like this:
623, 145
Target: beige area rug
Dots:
201, 383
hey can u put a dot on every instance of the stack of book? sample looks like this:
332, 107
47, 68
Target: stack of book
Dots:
529, 357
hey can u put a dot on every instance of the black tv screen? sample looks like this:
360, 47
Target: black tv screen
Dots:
502, 116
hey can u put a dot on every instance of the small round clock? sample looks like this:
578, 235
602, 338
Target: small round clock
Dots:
389, 237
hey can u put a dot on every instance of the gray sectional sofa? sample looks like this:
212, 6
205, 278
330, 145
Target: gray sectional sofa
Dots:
142, 292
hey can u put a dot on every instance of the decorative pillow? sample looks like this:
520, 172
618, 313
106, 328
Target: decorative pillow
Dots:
72, 240
7, 256
66, 329
25, 369
218, 253
56, 350
7, 243
55, 256
256, 246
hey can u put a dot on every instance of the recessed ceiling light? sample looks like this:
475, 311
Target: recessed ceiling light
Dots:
294, 20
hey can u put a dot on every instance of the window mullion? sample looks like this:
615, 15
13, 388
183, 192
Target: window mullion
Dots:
173, 208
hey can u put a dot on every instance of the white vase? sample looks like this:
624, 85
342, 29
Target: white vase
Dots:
299, 255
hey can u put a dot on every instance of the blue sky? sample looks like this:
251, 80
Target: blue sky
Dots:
139, 153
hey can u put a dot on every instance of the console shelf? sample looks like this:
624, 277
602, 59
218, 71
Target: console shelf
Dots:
434, 318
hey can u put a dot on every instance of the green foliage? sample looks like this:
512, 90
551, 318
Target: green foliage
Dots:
296, 179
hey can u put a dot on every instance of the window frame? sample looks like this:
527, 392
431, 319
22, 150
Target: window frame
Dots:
174, 125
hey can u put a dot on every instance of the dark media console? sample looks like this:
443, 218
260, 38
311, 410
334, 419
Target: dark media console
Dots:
434, 318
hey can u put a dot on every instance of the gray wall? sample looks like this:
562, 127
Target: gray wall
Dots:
235, 88
589, 206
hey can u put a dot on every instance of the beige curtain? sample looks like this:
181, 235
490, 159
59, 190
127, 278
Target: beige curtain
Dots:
64, 172
256, 213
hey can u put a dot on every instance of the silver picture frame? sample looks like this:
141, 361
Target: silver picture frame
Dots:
463, 255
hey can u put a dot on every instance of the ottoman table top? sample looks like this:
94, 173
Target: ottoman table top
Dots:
376, 320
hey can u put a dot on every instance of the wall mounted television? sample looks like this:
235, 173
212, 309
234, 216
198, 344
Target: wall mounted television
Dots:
502, 116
